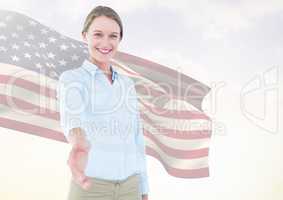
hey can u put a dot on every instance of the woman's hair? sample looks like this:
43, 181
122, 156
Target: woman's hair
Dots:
103, 11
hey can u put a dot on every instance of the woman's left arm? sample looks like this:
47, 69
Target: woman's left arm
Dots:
141, 154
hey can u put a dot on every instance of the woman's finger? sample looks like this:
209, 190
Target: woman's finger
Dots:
77, 162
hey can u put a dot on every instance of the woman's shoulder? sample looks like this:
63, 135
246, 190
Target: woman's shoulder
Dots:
71, 75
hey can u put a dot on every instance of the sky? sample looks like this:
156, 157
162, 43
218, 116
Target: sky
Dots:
235, 47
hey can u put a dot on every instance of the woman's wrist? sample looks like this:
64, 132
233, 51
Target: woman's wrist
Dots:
77, 139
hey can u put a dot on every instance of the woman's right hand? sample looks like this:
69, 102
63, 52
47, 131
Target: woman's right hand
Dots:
78, 157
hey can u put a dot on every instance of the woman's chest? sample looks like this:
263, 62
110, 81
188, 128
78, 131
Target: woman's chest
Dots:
104, 99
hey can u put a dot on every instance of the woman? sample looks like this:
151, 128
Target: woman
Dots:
106, 162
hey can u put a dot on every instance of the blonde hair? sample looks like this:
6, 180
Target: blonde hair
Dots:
102, 11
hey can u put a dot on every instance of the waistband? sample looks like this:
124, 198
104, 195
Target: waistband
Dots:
105, 181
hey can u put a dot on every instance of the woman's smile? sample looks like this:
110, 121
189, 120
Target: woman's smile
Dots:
104, 51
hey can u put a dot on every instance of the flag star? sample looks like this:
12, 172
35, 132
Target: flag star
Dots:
62, 37
63, 47
52, 65
85, 51
2, 25
19, 27
38, 65
32, 23
42, 45
15, 58
3, 37
15, 46
75, 57
53, 74
27, 55
50, 55
26, 44
31, 37
62, 62
15, 35
43, 31
74, 46
3, 49
83, 46
37, 54
51, 39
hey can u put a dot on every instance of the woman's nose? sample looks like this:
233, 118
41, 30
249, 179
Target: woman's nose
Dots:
105, 40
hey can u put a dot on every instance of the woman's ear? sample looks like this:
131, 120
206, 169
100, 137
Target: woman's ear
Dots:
84, 37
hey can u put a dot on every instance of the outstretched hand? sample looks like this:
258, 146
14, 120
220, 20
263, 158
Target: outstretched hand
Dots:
77, 162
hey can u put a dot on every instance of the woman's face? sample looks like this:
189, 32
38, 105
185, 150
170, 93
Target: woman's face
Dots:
103, 38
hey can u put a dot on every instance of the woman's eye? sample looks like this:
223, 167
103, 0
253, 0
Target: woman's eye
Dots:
99, 35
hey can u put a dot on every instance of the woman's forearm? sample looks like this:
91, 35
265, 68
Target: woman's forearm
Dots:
77, 138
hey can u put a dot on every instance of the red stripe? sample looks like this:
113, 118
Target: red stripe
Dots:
176, 114
177, 153
180, 173
124, 69
171, 92
12, 80
32, 129
20, 105
151, 66
179, 134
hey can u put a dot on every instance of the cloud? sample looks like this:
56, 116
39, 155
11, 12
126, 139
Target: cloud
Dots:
216, 19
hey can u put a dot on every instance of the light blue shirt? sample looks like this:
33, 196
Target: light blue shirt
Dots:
109, 115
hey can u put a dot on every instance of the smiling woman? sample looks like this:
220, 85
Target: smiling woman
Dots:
102, 35
106, 163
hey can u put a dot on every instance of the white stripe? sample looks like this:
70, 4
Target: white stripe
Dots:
177, 124
182, 144
176, 104
29, 97
28, 118
34, 77
185, 164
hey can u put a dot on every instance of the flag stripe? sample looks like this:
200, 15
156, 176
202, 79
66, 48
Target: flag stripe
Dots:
150, 67
180, 163
177, 172
177, 114
177, 153
21, 105
180, 144
32, 129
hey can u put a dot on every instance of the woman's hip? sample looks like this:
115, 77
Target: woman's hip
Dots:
107, 189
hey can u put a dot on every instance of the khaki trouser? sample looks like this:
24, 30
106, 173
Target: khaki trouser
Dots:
107, 190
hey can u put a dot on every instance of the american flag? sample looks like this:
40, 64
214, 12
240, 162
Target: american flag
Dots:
32, 57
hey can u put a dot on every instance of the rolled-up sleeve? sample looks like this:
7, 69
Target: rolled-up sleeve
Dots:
141, 154
71, 101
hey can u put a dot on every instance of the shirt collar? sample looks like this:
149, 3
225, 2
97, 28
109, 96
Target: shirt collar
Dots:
92, 68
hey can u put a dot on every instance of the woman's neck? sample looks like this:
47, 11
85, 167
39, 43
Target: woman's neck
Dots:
105, 67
